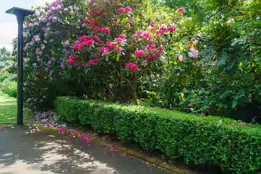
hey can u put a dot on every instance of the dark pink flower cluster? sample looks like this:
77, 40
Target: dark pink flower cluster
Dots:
102, 30
96, 28
84, 40
133, 67
152, 58
162, 30
172, 29
182, 10
105, 50
139, 53
142, 35
146, 43
125, 10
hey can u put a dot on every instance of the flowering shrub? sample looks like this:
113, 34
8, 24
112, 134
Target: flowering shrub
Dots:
116, 40
46, 38
82, 48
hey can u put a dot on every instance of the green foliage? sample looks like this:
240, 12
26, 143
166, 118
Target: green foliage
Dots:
224, 80
175, 4
8, 109
10, 88
234, 146
3, 75
6, 58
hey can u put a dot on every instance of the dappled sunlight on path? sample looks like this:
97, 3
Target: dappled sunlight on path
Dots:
41, 153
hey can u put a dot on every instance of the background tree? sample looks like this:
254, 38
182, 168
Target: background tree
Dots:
6, 58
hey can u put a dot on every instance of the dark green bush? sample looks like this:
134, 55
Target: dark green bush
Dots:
230, 144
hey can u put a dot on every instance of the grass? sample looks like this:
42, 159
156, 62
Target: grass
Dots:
7, 109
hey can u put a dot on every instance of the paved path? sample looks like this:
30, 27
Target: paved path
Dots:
39, 153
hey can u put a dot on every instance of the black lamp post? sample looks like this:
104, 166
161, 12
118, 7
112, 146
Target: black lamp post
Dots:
20, 14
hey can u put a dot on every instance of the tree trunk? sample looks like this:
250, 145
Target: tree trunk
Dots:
134, 93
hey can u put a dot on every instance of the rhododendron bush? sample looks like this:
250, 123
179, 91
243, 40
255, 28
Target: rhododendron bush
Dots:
46, 35
125, 40
100, 49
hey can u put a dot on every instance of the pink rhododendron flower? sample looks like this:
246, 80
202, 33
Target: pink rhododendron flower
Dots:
87, 65
105, 51
152, 58
84, 38
152, 24
123, 37
99, 12
96, 38
86, 21
128, 10
140, 33
181, 58
172, 29
97, 60
181, 10
93, 23
89, 42
162, 30
119, 41
107, 30
71, 61
139, 53
146, 36
73, 57
151, 47
122, 10
111, 45
97, 29
116, 23
133, 67
81, 46
79, 64
91, 62
161, 50
92, 13
119, 50
87, 140
96, 56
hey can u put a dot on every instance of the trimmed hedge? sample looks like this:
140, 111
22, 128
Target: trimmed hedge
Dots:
196, 139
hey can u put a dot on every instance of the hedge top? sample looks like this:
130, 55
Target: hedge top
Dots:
234, 125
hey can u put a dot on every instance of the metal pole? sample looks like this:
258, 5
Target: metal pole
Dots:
20, 14
20, 71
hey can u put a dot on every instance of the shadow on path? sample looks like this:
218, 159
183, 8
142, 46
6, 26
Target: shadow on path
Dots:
41, 153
